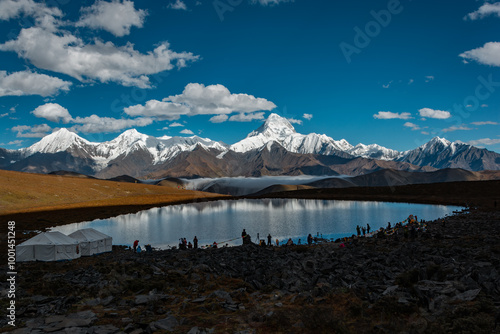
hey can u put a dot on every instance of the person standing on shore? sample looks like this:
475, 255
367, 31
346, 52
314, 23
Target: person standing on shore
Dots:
358, 230
243, 235
269, 239
136, 243
195, 242
368, 228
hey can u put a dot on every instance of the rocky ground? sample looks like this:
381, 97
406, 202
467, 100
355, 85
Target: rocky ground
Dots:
445, 280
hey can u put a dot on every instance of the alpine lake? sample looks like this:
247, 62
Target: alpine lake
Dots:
223, 221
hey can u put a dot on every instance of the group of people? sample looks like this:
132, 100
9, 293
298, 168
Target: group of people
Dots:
184, 244
363, 230
138, 249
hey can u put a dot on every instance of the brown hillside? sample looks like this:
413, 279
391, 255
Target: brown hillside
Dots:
24, 192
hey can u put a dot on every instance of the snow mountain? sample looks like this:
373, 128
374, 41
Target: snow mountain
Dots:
275, 148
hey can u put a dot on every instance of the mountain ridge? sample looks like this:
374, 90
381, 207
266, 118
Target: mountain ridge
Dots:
141, 155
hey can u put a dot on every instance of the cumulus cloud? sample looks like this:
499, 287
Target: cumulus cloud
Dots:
392, 115
269, 2
179, 5
198, 99
92, 124
485, 123
46, 17
488, 54
27, 131
53, 112
485, 10
243, 117
484, 141
63, 52
219, 118
97, 124
175, 124
294, 121
456, 128
31, 83
412, 126
307, 116
116, 17
187, 132
437, 114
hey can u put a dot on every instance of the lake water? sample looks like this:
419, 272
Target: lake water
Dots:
221, 221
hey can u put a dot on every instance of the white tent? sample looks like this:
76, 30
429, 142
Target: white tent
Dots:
92, 241
48, 246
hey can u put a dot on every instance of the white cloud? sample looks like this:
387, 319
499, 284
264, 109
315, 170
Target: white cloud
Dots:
175, 124
489, 54
307, 116
413, 126
198, 99
485, 123
485, 10
116, 17
456, 128
429, 78
187, 132
44, 16
219, 118
294, 121
484, 141
31, 83
392, 115
4, 115
437, 114
92, 124
27, 131
388, 85
243, 117
411, 81
16, 142
178, 4
160, 109
53, 112
97, 124
484, 106
269, 2
102, 61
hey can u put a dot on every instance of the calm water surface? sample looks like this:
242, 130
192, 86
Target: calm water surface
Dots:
283, 218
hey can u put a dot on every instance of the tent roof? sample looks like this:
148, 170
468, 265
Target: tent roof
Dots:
50, 238
88, 234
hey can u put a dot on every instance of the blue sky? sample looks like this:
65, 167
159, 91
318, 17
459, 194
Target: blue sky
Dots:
396, 73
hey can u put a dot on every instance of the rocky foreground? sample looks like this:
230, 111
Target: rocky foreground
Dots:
445, 280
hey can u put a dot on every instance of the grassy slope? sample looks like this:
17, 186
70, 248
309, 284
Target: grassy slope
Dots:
24, 192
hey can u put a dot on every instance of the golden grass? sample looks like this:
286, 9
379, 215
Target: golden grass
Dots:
25, 192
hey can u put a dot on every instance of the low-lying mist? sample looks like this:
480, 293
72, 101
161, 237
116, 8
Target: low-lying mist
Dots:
240, 186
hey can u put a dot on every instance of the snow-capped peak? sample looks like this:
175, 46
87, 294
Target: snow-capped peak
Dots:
275, 127
57, 141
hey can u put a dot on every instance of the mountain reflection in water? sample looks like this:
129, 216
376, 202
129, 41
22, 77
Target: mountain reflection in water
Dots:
282, 218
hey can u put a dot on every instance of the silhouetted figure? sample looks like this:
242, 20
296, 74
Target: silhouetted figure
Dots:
358, 230
269, 239
368, 228
309, 239
195, 242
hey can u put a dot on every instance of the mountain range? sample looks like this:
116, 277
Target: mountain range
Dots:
275, 148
